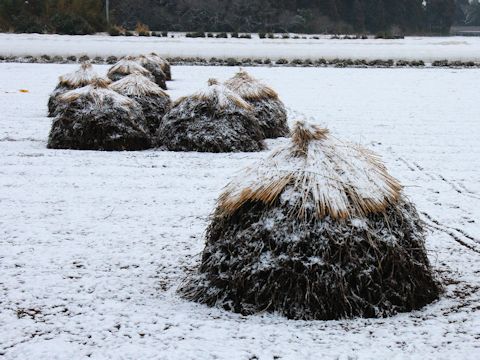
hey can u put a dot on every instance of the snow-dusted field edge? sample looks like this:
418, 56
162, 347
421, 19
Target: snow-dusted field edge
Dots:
94, 244
427, 49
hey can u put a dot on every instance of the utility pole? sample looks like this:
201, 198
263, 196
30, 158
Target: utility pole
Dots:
107, 11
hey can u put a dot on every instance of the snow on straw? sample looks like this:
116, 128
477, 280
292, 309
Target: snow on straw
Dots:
128, 66
81, 77
250, 88
98, 92
137, 85
152, 58
218, 96
336, 178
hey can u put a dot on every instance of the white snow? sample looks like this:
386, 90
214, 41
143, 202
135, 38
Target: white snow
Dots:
93, 244
410, 48
359, 223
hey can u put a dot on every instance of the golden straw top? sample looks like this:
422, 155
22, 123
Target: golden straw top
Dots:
128, 66
316, 174
217, 96
250, 88
213, 81
97, 93
157, 58
81, 77
137, 85
151, 58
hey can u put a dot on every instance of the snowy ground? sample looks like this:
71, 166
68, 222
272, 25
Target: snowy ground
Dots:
94, 244
427, 49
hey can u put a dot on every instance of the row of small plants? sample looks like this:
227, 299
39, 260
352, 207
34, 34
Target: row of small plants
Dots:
248, 62
140, 30
222, 35
143, 30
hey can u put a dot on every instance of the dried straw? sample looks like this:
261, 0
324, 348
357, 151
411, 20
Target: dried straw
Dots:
137, 85
250, 88
268, 109
213, 120
127, 66
217, 97
77, 79
82, 77
153, 100
317, 231
335, 178
98, 118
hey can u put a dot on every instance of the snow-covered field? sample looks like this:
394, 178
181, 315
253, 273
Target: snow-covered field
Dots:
94, 244
427, 49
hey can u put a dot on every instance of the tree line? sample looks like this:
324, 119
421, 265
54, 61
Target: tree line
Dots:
300, 16
52, 16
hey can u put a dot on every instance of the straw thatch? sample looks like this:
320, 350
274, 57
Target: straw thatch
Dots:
153, 61
268, 108
164, 64
338, 179
128, 66
155, 67
77, 79
214, 120
318, 230
153, 100
97, 118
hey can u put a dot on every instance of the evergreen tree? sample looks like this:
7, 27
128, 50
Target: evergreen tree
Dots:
328, 8
439, 14
375, 15
414, 16
358, 18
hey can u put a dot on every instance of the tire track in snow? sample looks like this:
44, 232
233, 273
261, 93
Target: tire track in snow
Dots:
456, 186
455, 233
423, 170
10, 139
472, 193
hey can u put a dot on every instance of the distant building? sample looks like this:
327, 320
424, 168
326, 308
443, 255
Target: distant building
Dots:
465, 30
